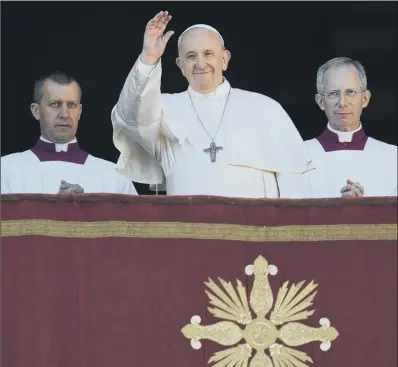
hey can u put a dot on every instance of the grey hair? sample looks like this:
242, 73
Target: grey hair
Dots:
336, 63
56, 77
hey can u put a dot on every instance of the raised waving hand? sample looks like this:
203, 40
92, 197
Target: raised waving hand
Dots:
155, 40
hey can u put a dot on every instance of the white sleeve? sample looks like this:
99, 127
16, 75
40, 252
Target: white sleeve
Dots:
294, 185
136, 121
138, 112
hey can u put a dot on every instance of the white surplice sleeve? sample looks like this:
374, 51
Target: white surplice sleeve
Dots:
295, 185
137, 120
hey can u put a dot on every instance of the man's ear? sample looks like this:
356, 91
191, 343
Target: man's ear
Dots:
179, 64
226, 57
366, 98
319, 101
35, 109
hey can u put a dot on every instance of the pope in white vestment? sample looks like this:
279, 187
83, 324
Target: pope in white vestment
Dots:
348, 162
57, 164
211, 139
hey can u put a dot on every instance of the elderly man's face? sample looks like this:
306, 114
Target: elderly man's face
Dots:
202, 59
342, 99
58, 111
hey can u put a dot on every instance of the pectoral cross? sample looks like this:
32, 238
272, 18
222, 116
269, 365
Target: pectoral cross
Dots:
213, 149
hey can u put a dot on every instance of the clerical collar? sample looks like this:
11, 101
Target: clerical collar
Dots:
46, 151
333, 140
344, 136
222, 90
59, 147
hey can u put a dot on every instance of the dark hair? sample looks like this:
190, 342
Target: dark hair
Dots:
56, 77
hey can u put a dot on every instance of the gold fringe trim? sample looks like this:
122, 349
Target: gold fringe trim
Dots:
202, 231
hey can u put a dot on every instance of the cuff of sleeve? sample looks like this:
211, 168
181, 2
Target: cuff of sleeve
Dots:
145, 69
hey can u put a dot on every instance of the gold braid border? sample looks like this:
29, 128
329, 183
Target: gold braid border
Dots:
203, 231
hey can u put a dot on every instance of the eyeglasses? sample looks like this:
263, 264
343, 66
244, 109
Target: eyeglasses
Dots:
349, 93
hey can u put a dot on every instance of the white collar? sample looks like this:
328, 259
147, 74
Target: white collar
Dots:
344, 136
60, 147
221, 90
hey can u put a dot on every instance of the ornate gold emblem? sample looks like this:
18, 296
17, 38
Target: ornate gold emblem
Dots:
260, 333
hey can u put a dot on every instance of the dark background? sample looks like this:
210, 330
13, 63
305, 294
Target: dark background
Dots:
276, 49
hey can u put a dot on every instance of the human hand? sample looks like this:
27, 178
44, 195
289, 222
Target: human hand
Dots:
352, 189
154, 40
67, 188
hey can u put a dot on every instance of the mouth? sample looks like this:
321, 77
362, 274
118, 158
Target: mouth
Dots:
206, 72
63, 125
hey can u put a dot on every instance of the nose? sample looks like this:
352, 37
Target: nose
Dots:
342, 100
64, 111
200, 62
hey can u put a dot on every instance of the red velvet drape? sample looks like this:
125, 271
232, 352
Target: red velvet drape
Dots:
86, 295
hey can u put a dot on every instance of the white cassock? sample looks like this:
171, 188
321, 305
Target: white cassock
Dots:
339, 156
41, 169
161, 140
